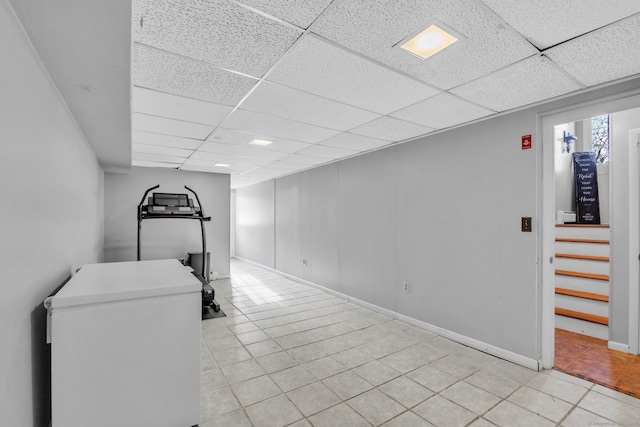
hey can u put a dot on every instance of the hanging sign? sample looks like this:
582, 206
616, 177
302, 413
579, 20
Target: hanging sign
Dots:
586, 188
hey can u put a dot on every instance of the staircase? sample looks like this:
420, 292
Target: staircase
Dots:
582, 279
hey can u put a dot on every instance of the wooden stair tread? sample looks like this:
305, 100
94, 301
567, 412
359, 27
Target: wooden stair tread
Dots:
583, 225
604, 277
580, 294
582, 316
595, 241
584, 257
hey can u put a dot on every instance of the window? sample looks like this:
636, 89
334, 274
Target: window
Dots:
600, 138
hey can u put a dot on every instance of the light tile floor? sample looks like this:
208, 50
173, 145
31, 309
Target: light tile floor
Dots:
291, 355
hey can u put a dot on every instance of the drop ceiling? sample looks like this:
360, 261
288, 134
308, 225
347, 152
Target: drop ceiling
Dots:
323, 80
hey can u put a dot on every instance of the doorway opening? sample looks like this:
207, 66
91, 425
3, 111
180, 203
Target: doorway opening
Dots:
590, 280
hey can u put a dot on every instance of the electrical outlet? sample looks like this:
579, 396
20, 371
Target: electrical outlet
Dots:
304, 261
405, 287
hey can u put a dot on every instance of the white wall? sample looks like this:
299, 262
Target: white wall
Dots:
51, 221
441, 213
166, 238
255, 223
622, 152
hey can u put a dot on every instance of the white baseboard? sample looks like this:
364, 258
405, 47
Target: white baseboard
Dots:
619, 347
501, 353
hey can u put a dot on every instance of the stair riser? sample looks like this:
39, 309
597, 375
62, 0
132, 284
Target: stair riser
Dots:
591, 249
581, 327
582, 285
582, 305
583, 233
581, 265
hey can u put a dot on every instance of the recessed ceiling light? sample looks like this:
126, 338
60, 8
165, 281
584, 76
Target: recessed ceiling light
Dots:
260, 142
221, 165
429, 42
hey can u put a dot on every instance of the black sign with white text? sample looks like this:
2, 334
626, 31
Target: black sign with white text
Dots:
586, 184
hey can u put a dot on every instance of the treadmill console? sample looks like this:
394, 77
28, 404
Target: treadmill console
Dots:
170, 204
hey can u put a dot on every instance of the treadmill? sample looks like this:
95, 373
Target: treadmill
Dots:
180, 206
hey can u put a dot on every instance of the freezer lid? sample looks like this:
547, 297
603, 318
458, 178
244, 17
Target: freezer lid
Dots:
119, 281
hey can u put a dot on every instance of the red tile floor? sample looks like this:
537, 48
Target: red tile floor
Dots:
590, 359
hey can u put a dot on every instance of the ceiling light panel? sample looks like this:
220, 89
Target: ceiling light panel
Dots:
321, 68
428, 42
546, 23
391, 129
300, 12
607, 54
372, 28
241, 150
211, 158
163, 151
146, 123
354, 142
442, 111
176, 107
165, 72
233, 165
147, 164
218, 32
326, 151
529, 81
228, 136
141, 137
292, 104
270, 126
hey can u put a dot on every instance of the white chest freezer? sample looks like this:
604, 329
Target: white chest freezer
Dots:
125, 346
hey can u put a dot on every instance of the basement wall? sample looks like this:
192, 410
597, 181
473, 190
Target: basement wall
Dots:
441, 213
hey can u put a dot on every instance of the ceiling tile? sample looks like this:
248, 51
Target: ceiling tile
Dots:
279, 167
374, 27
176, 107
442, 111
326, 151
156, 158
163, 151
391, 129
214, 31
144, 122
228, 136
209, 158
141, 137
322, 68
147, 164
300, 12
546, 23
273, 126
209, 169
303, 159
165, 72
607, 54
248, 151
355, 142
292, 104
529, 81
